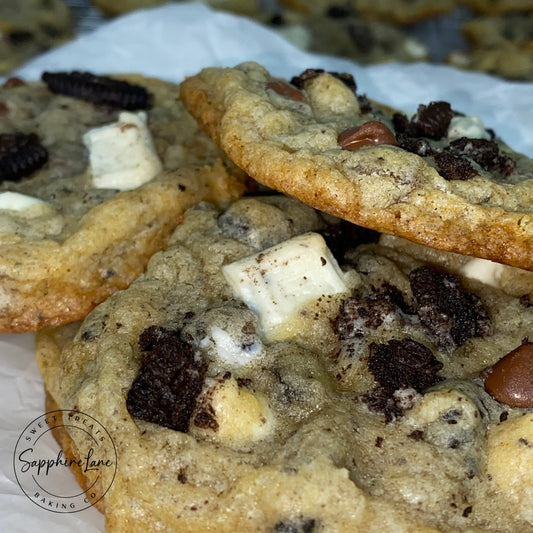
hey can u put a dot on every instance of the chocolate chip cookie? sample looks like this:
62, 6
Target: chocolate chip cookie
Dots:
437, 177
277, 369
94, 174
30, 27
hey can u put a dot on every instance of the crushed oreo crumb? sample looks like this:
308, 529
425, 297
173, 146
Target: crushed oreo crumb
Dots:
300, 525
20, 155
169, 381
380, 400
416, 145
450, 313
403, 368
431, 120
454, 167
205, 418
525, 300
485, 153
358, 315
402, 364
98, 89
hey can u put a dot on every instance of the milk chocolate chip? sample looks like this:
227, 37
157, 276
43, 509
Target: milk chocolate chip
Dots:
369, 134
286, 90
510, 380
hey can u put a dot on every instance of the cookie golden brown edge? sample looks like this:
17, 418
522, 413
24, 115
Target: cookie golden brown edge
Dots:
447, 183
79, 242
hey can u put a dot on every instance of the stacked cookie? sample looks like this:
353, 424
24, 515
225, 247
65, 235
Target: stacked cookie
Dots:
343, 348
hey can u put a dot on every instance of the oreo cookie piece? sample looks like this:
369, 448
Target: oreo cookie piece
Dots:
20, 155
98, 89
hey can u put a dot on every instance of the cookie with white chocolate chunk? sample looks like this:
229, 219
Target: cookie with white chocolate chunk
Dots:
94, 175
278, 369
438, 178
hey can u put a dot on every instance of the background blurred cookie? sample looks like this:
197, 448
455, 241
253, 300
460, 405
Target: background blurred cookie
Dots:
498, 45
28, 27
497, 7
342, 32
117, 7
400, 12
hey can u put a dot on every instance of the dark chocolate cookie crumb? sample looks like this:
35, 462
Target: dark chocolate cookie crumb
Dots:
20, 155
98, 89
431, 120
403, 364
358, 315
169, 381
380, 400
450, 313
416, 145
454, 167
485, 153
301, 525
205, 418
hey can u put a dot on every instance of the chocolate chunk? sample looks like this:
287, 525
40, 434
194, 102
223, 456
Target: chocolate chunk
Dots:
431, 121
286, 90
370, 133
510, 380
98, 89
20, 155
169, 381
13, 81
454, 167
450, 313
403, 364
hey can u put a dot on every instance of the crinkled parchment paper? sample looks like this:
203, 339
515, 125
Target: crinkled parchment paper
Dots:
175, 41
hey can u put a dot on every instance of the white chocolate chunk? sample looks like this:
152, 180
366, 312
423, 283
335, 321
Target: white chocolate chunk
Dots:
278, 282
122, 155
242, 416
483, 270
470, 126
14, 201
232, 353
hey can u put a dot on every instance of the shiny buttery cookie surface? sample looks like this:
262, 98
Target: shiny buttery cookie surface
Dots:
277, 369
94, 172
438, 178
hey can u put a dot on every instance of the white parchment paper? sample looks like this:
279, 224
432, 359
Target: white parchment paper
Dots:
175, 41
